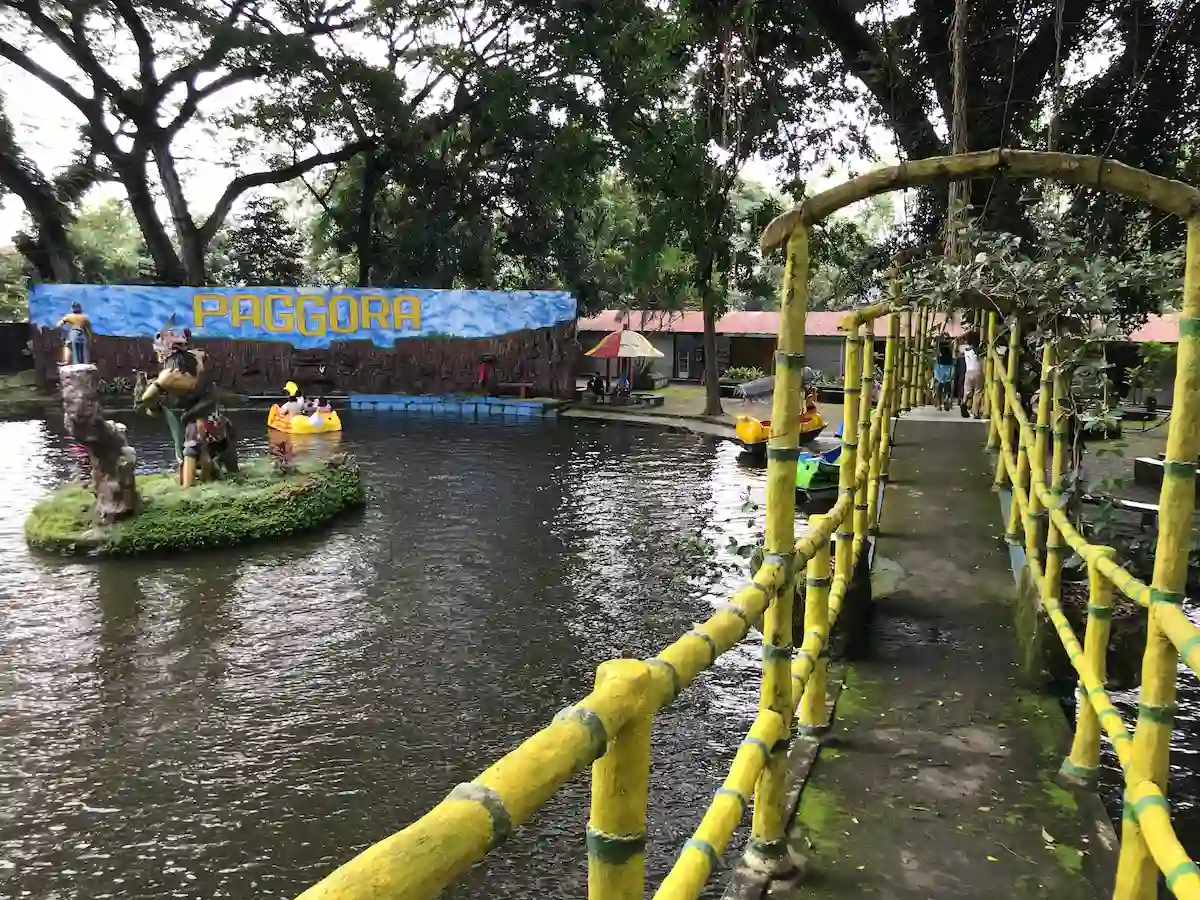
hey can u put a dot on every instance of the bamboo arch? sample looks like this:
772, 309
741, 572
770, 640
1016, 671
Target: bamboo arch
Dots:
1170, 196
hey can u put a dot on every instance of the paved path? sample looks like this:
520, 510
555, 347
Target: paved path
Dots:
938, 777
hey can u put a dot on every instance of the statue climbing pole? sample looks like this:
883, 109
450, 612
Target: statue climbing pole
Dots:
113, 460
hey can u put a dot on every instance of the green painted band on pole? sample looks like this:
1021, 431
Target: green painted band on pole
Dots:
733, 792
862, 506
615, 849
1147, 802
1098, 689
1083, 773
852, 391
774, 653
783, 454
849, 445
707, 638
1189, 645
473, 792
1182, 870
761, 745
1159, 715
1174, 469
1099, 612
676, 681
592, 722
1189, 326
714, 861
789, 360
1169, 597
818, 582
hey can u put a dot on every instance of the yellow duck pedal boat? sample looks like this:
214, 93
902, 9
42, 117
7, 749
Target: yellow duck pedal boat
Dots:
753, 433
316, 423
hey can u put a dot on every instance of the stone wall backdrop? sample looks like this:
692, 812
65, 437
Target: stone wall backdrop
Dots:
544, 357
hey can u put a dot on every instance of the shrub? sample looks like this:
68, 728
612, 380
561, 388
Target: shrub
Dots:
742, 374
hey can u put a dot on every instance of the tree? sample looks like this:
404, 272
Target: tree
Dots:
262, 248
1143, 107
183, 59
727, 89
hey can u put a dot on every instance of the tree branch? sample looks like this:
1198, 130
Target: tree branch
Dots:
243, 183
141, 37
196, 96
868, 61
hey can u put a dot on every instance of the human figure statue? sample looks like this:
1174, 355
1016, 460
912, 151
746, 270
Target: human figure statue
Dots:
77, 337
203, 436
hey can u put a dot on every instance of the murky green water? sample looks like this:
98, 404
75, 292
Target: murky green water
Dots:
237, 724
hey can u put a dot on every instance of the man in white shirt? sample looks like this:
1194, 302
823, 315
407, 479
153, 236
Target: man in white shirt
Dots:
972, 399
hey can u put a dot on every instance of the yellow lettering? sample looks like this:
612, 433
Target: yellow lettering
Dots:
374, 315
286, 322
351, 314
208, 306
406, 309
238, 315
302, 321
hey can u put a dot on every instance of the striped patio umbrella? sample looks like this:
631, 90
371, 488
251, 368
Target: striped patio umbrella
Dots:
624, 344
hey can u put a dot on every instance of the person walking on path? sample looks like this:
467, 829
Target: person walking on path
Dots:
972, 398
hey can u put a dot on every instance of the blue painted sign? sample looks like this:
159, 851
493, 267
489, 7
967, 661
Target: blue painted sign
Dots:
303, 317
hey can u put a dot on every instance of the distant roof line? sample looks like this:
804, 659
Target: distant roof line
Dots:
824, 323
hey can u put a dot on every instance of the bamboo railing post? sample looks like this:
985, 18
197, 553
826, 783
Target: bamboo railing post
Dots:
922, 340
1058, 458
767, 837
906, 389
848, 464
930, 348
1009, 421
1036, 457
989, 381
866, 385
816, 618
881, 452
1083, 765
616, 830
1137, 873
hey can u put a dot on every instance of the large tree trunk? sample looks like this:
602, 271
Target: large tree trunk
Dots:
167, 264
113, 460
365, 238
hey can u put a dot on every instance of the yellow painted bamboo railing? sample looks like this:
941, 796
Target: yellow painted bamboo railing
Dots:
611, 728
1038, 522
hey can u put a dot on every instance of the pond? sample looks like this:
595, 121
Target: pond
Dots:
237, 724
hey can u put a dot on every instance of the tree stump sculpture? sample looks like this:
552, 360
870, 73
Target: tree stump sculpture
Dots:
113, 460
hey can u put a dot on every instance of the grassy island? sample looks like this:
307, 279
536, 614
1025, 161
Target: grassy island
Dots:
259, 503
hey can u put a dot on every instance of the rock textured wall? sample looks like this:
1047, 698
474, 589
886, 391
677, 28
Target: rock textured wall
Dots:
544, 357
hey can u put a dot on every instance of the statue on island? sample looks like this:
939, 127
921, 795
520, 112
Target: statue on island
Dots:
112, 460
78, 334
203, 436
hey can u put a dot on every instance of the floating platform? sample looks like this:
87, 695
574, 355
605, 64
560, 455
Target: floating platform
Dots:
459, 406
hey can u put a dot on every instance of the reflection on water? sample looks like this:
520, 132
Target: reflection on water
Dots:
236, 724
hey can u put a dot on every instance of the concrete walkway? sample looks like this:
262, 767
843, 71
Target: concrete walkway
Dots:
938, 778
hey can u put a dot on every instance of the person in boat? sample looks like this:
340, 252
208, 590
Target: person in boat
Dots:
294, 405
323, 405
78, 336
943, 374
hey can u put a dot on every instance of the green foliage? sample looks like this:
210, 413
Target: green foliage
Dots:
14, 282
108, 244
257, 504
261, 248
742, 374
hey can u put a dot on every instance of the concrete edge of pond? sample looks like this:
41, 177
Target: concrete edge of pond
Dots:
695, 424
